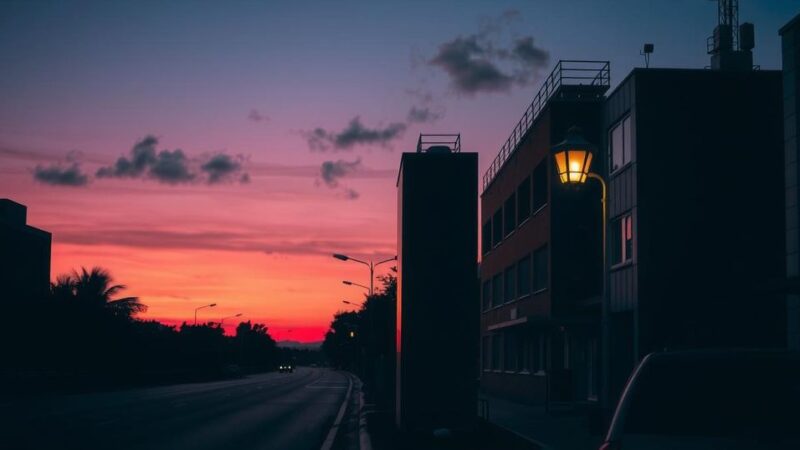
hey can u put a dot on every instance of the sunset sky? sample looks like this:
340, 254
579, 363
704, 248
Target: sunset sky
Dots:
220, 151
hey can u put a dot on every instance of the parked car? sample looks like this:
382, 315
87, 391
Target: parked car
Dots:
710, 399
286, 368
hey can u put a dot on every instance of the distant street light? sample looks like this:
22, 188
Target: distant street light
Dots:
573, 158
350, 283
221, 321
352, 303
198, 309
369, 264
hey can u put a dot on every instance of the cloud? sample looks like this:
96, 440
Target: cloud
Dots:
351, 194
223, 167
423, 114
174, 166
355, 133
58, 175
256, 116
332, 171
479, 63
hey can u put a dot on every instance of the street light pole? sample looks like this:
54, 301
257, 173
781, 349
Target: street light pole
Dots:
369, 264
221, 321
201, 307
350, 283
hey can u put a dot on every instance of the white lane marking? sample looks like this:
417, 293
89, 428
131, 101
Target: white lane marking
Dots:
335, 427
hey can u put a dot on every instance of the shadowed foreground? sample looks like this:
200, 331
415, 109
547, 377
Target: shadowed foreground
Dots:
286, 411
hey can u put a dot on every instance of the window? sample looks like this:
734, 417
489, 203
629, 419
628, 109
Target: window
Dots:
524, 276
511, 352
540, 275
497, 227
524, 200
524, 352
622, 240
486, 236
486, 295
509, 284
497, 290
497, 350
486, 360
540, 185
510, 219
620, 145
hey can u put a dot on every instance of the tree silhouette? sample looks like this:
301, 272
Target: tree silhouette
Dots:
94, 290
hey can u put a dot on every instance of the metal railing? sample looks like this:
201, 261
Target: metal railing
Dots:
451, 141
566, 72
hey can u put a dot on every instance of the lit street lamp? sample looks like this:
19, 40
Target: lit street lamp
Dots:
201, 307
221, 321
573, 158
369, 264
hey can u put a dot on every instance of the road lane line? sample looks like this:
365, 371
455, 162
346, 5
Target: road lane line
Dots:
335, 427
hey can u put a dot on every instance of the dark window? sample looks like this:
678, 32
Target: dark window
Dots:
486, 352
540, 269
486, 298
620, 143
524, 200
524, 276
509, 284
510, 213
497, 351
540, 185
511, 353
497, 227
497, 290
486, 236
621, 240
524, 352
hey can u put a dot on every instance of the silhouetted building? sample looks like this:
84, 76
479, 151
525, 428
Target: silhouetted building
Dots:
24, 254
790, 37
437, 286
541, 268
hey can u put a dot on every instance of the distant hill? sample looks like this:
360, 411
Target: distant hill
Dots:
300, 345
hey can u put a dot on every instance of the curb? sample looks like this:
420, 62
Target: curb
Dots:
336, 423
364, 442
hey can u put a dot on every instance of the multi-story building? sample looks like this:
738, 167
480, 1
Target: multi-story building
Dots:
24, 255
541, 249
790, 37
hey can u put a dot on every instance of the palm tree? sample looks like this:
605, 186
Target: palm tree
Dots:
94, 289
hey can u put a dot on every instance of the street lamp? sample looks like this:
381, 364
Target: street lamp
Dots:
573, 157
221, 321
350, 283
201, 307
353, 303
369, 264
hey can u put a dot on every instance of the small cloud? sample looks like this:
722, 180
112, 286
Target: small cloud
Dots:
355, 133
332, 171
172, 167
256, 116
351, 194
142, 156
423, 115
223, 167
58, 175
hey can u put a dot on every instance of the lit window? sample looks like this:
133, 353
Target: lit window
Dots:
620, 144
622, 239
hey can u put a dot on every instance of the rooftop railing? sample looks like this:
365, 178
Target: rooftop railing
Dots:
427, 141
566, 72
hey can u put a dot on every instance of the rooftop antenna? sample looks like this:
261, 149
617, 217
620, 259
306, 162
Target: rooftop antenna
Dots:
731, 45
647, 51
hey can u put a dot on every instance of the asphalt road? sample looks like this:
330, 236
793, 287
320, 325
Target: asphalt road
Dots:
270, 411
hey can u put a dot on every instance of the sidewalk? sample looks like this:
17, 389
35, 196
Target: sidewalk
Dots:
557, 430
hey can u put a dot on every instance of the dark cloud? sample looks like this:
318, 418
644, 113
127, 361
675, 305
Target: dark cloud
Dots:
256, 116
481, 63
174, 166
468, 64
332, 171
223, 167
143, 155
58, 175
355, 133
423, 114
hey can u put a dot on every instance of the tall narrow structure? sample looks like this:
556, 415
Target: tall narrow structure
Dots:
24, 255
437, 301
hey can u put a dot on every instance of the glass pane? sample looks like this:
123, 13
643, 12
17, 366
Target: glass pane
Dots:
540, 269
615, 242
497, 227
628, 224
626, 141
616, 148
509, 284
540, 185
486, 294
497, 290
524, 276
510, 211
524, 199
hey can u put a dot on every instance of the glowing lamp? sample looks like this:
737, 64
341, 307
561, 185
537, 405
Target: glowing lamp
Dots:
573, 157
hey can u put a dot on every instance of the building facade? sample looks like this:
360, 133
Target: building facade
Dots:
24, 255
541, 249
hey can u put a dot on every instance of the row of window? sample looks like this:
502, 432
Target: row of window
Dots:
529, 197
528, 275
514, 352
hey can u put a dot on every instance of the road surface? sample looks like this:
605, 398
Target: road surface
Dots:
269, 411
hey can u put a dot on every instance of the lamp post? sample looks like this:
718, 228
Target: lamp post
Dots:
573, 157
352, 303
221, 321
350, 283
201, 307
369, 264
